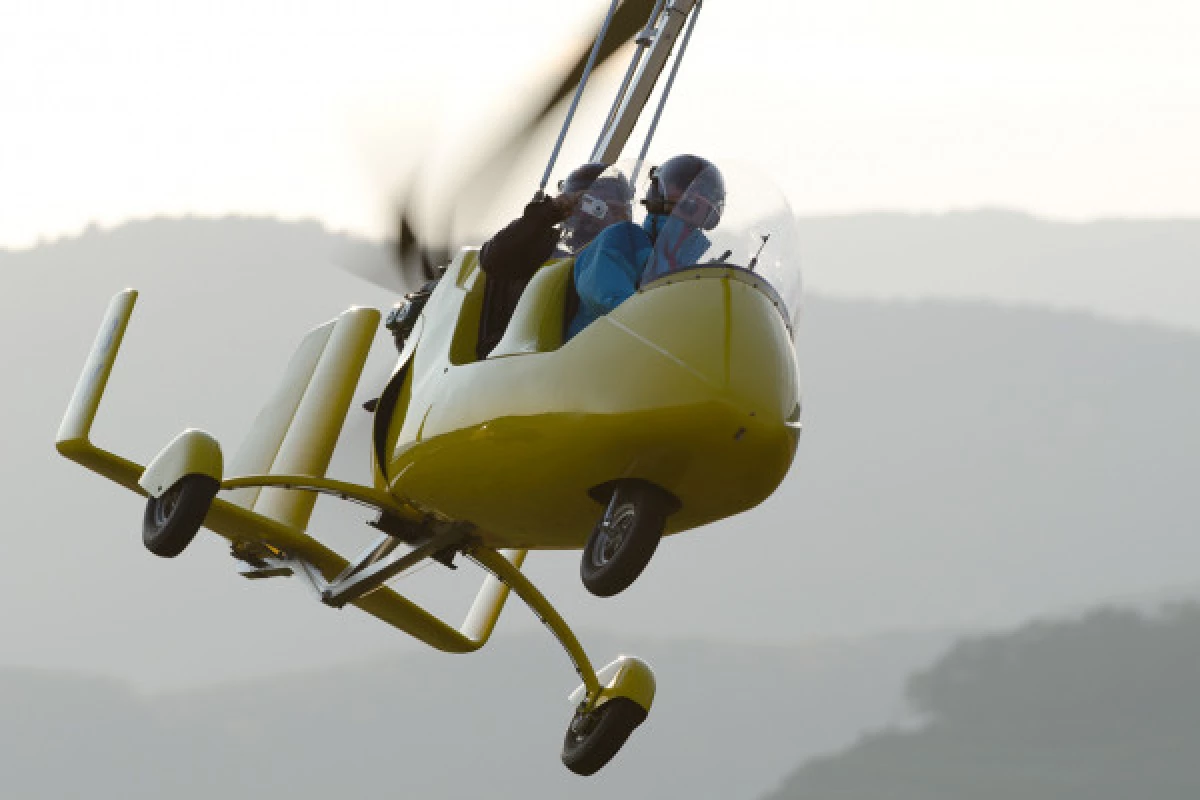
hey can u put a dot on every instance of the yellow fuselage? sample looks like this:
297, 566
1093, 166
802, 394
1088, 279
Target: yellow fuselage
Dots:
691, 384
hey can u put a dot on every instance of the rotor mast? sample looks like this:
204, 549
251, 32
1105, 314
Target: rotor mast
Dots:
660, 34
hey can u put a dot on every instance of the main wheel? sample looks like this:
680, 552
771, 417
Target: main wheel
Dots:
172, 520
621, 546
595, 737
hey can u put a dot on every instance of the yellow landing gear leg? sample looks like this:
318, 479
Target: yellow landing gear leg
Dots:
610, 704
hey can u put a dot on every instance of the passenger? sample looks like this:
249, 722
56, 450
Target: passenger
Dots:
591, 198
686, 195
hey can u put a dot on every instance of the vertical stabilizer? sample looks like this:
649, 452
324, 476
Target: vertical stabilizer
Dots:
74, 435
297, 430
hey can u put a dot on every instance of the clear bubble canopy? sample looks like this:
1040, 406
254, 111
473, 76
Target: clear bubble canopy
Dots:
727, 215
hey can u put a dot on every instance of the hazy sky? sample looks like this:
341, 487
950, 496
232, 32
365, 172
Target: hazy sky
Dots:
131, 108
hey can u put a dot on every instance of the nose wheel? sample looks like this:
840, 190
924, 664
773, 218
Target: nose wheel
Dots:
595, 736
625, 539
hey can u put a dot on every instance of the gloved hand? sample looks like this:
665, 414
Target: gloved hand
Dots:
547, 211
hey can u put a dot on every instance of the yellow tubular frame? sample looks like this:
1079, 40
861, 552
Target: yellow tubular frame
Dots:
240, 525
507, 572
74, 434
347, 491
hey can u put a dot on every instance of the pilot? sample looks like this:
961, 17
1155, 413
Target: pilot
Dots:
591, 198
686, 196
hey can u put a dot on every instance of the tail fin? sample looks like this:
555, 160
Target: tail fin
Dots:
297, 430
74, 435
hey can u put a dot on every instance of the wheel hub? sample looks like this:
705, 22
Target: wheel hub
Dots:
584, 722
612, 536
581, 725
166, 505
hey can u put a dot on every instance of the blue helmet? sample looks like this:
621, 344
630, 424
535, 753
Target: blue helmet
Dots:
690, 187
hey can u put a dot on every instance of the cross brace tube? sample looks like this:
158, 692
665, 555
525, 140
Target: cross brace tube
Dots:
367, 579
363, 495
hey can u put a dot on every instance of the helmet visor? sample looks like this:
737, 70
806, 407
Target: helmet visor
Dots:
756, 232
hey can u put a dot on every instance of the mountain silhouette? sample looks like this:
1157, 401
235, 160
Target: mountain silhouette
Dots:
431, 726
963, 465
1103, 707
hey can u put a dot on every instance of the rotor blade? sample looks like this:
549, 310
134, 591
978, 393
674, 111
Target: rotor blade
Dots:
628, 21
418, 258
416, 255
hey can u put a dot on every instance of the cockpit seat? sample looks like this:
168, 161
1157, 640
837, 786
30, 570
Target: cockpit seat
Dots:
538, 321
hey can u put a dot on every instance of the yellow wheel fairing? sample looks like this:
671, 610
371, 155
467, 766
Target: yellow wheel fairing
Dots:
688, 385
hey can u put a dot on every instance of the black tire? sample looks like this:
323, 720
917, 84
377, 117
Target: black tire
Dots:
172, 520
593, 739
615, 556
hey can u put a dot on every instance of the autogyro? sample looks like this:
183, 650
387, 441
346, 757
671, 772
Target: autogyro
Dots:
678, 408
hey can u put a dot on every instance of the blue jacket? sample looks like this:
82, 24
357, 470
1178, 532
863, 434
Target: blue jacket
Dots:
607, 272
676, 245
624, 256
